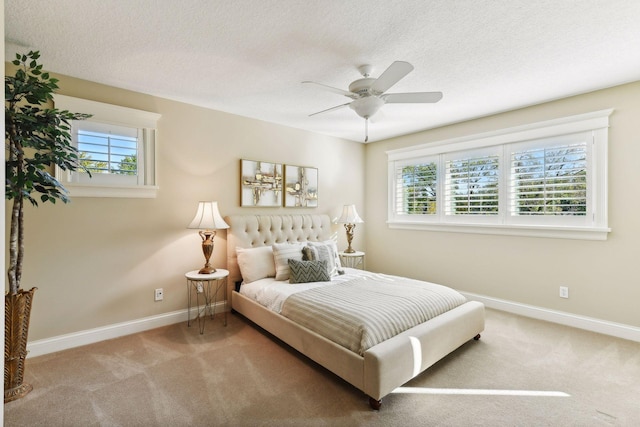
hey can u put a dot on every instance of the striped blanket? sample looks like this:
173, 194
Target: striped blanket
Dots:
363, 312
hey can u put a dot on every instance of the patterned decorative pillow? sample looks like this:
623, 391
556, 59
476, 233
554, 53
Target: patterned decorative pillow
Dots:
327, 250
308, 271
282, 252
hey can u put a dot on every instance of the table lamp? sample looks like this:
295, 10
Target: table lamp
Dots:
349, 218
208, 220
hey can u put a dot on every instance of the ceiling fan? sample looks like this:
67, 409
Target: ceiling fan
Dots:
368, 93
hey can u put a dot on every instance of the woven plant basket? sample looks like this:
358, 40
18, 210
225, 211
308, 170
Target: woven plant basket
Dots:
17, 311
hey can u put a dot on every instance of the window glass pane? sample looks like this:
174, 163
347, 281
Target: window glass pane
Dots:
471, 186
108, 153
416, 192
549, 181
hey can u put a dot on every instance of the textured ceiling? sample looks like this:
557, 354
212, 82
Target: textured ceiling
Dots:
249, 57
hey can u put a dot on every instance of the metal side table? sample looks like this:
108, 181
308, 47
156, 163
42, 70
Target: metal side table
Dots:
206, 288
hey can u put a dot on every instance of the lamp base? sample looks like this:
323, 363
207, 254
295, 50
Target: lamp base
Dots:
207, 250
349, 228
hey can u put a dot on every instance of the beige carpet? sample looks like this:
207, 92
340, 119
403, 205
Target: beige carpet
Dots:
522, 372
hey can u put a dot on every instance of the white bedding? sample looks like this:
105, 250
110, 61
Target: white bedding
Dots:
356, 310
272, 293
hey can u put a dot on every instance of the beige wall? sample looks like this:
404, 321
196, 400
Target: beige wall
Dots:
602, 275
97, 261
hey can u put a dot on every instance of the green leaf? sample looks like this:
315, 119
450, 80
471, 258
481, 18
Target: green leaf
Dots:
37, 138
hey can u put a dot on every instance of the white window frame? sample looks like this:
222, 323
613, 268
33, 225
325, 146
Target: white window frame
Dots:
144, 185
593, 226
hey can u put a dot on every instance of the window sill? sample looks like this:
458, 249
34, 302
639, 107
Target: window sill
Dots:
133, 192
577, 233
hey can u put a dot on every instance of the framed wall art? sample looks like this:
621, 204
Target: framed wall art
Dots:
301, 187
260, 184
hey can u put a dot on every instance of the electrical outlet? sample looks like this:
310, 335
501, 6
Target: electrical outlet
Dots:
564, 292
159, 294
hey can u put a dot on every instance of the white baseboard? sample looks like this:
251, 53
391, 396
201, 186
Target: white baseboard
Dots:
90, 336
619, 330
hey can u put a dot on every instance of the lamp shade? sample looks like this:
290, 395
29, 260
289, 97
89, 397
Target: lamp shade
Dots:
208, 217
349, 215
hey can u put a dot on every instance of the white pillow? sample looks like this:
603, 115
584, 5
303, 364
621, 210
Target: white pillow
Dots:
282, 253
335, 267
256, 263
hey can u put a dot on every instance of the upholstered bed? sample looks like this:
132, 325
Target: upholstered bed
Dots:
376, 370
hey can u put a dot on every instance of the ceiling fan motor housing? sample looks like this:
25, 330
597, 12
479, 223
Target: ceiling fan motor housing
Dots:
362, 86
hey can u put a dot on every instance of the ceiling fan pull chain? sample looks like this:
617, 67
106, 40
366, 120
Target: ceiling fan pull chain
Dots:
366, 129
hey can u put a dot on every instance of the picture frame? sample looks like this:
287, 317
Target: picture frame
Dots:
301, 187
260, 184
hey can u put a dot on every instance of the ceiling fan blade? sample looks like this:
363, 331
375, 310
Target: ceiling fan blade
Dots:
333, 89
337, 107
391, 76
412, 97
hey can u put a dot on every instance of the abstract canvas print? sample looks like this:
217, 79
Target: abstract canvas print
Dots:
301, 187
260, 184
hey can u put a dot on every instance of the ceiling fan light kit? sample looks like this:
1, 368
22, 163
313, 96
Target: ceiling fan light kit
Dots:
367, 106
369, 95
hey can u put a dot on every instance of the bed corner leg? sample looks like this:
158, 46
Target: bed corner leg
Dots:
375, 404
477, 337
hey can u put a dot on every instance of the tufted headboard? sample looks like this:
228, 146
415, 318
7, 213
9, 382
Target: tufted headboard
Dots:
248, 231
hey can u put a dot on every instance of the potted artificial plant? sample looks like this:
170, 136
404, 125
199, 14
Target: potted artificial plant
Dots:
37, 139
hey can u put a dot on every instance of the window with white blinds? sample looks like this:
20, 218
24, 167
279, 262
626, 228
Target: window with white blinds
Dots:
546, 179
549, 180
416, 188
471, 186
116, 146
108, 149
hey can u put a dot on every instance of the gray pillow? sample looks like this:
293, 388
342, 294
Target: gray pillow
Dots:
308, 271
323, 252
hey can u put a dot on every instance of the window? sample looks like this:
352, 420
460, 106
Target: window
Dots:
471, 184
545, 179
417, 184
549, 180
109, 150
116, 145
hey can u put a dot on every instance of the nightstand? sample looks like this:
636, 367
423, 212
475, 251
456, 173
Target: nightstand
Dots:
206, 288
352, 260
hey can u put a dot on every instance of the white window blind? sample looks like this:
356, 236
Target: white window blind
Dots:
416, 188
549, 181
471, 186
